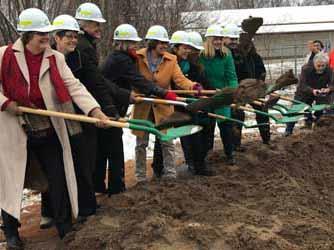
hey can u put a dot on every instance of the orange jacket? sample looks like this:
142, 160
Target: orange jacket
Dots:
168, 71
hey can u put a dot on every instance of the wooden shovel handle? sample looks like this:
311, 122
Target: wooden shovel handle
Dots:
160, 101
73, 117
282, 97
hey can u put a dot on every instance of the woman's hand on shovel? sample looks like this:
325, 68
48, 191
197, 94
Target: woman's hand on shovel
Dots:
12, 108
103, 119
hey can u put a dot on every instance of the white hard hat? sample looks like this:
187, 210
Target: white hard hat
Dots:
126, 32
180, 37
65, 22
33, 19
232, 31
157, 32
214, 30
196, 40
89, 12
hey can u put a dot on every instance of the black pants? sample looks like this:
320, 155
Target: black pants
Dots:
226, 135
110, 148
49, 154
260, 119
83, 151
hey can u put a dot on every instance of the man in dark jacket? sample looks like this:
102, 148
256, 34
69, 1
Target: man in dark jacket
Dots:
120, 67
315, 85
107, 93
248, 64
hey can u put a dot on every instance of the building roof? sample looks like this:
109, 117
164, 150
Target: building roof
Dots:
276, 20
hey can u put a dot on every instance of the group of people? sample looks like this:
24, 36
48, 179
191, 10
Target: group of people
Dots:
62, 73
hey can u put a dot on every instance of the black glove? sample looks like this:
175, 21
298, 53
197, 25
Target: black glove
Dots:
112, 112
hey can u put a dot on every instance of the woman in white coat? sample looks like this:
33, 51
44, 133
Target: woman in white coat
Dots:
33, 75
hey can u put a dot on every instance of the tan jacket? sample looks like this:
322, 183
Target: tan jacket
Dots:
13, 141
168, 71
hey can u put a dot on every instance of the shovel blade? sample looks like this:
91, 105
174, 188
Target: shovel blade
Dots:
174, 133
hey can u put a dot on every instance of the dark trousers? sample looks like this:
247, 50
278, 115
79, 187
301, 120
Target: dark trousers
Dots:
110, 149
260, 119
83, 151
226, 135
49, 154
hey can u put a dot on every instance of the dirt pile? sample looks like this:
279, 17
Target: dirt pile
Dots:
277, 197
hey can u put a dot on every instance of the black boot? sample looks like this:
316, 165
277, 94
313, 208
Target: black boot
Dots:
230, 160
202, 169
11, 232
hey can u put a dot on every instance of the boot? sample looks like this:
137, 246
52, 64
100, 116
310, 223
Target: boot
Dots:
202, 169
230, 160
10, 229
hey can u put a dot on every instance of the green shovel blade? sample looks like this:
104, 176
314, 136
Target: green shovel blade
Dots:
319, 107
288, 119
171, 134
174, 133
141, 122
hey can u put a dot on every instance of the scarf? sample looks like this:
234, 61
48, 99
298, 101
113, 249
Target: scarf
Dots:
16, 88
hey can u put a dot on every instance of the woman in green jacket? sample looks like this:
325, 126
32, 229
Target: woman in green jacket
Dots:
219, 69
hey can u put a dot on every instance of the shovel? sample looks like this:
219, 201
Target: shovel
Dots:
187, 119
172, 133
283, 120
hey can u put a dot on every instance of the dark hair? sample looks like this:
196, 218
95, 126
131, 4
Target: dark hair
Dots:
152, 44
320, 42
26, 37
61, 33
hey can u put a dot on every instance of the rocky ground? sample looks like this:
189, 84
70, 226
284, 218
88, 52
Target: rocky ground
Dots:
277, 197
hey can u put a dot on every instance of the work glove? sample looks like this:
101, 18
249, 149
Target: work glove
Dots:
170, 96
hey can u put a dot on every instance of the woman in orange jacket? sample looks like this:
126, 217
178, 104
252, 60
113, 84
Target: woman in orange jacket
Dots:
161, 67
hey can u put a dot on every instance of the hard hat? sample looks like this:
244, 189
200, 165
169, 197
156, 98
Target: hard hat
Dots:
126, 32
196, 40
157, 32
214, 30
65, 22
232, 31
89, 12
33, 19
180, 37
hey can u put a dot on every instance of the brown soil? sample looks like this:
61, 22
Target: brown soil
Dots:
277, 197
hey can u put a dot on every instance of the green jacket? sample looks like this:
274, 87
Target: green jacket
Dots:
220, 72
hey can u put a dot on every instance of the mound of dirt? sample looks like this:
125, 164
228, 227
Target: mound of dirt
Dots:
277, 197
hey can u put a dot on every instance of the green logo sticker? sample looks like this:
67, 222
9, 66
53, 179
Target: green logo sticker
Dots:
25, 23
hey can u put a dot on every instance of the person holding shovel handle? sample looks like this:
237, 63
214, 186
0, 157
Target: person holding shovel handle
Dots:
120, 67
219, 69
160, 67
34, 75
187, 47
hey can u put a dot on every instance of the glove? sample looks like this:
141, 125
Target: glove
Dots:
198, 87
170, 96
111, 111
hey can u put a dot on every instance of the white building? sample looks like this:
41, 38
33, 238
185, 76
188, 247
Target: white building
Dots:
285, 32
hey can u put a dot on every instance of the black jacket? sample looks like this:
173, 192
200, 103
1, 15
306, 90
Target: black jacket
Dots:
310, 80
121, 68
248, 66
84, 65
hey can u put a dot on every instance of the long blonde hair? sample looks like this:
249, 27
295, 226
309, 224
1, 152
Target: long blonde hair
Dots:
209, 50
